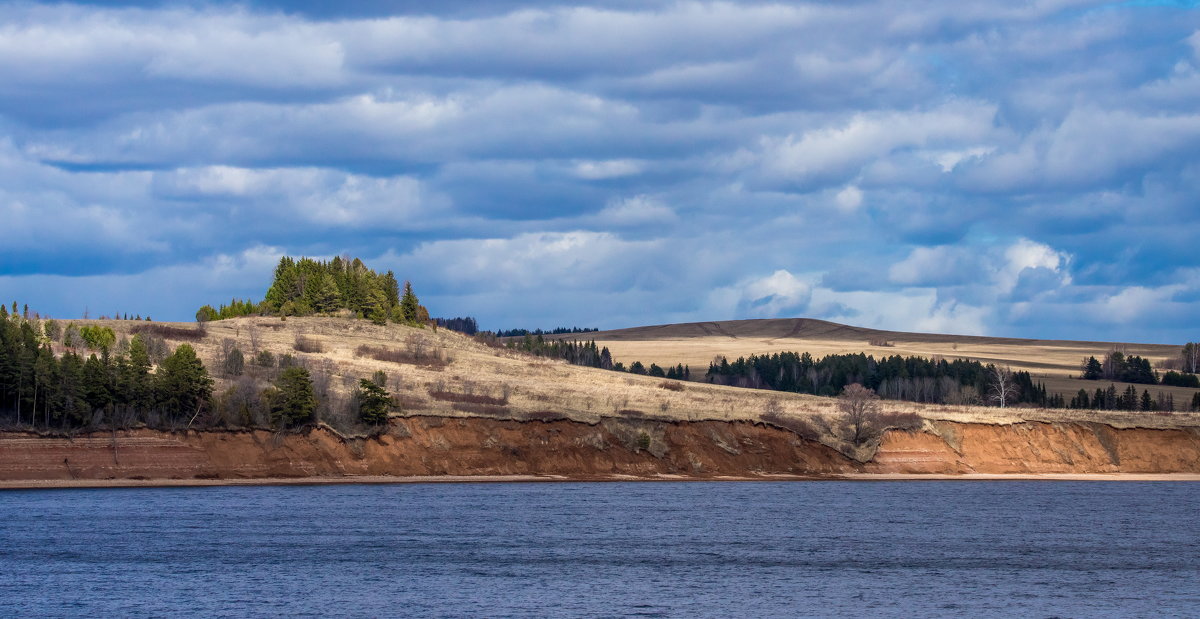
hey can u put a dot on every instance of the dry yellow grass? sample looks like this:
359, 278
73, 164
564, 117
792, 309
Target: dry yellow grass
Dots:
697, 344
535, 388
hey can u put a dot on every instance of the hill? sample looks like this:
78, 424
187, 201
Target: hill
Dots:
1054, 362
466, 408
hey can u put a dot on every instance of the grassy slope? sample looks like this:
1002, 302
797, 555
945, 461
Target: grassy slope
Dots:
538, 388
1054, 362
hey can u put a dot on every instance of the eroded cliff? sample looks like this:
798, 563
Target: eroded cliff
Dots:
614, 447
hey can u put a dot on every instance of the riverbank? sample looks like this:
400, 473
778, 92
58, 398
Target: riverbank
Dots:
50, 484
428, 448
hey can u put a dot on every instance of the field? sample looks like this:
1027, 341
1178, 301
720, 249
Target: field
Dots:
1054, 362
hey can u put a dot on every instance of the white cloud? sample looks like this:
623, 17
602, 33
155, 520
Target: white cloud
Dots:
547, 262
849, 199
600, 170
777, 294
840, 151
914, 310
1026, 254
933, 266
636, 211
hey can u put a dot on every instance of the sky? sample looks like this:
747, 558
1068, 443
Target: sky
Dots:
1024, 169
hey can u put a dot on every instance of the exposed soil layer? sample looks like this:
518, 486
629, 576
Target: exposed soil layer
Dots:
1035, 447
424, 446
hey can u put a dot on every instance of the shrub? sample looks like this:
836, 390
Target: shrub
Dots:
901, 421
235, 363
473, 398
170, 333
481, 409
432, 359
265, 359
308, 344
97, 337
671, 385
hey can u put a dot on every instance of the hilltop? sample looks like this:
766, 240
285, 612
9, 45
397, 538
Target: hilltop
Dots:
1054, 362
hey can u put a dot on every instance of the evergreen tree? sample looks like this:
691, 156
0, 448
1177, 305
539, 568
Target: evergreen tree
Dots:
283, 287
292, 401
326, 297
409, 304
182, 384
374, 402
96, 389
135, 384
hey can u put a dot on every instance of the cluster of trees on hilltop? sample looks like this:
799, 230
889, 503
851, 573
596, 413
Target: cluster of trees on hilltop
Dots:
677, 372
237, 307
465, 324
305, 287
57, 378
536, 332
575, 353
1116, 366
914, 379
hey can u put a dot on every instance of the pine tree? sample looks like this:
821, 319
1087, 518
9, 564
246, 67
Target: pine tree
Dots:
374, 402
292, 401
182, 384
409, 304
325, 298
283, 287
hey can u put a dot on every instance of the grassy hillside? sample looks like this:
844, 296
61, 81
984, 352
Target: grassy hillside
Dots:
1054, 362
447, 374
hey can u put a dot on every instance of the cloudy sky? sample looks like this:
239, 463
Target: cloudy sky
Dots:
1026, 169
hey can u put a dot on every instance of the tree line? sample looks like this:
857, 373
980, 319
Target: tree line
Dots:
540, 332
914, 379
465, 324
573, 352
1128, 400
1116, 366
305, 287
99, 381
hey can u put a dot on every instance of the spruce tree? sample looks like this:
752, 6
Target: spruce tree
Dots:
409, 304
374, 402
182, 384
292, 401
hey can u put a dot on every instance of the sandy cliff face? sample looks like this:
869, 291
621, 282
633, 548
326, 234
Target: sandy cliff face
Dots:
1038, 448
443, 446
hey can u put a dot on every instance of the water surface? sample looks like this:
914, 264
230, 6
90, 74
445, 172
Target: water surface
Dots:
840, 549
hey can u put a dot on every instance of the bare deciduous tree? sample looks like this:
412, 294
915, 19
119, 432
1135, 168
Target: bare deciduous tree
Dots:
1191, 357
255, 339
861, 407
1002, 388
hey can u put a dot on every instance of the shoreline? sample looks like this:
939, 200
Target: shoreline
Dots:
51, 484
